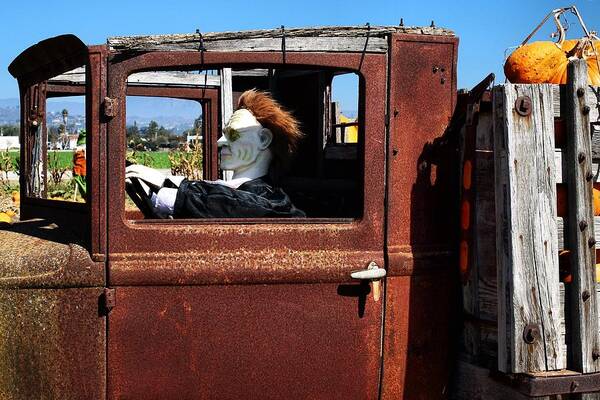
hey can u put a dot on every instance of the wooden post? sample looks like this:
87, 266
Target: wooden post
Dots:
579, 238
226, 106
335, 119
526, 234
226, 95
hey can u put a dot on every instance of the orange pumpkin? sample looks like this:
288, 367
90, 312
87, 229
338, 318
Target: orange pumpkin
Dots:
596, 196
546, 62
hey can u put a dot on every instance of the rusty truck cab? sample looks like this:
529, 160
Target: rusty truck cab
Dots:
101, 303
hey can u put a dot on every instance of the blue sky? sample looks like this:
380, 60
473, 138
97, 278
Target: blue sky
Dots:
485, 28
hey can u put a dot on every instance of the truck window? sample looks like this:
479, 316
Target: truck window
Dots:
55, 151
166, 134
322, 178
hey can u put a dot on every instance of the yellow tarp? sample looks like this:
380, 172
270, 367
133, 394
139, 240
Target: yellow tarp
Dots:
351, 131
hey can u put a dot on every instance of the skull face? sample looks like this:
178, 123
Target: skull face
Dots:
243, 140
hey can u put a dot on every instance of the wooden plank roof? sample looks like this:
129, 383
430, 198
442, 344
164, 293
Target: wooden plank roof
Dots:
327, 38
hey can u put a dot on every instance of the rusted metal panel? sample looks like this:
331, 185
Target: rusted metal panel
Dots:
249, 341
221, 337
52, 344
49, 58
422, 222
58, 90
417, 343
37, 259
96, 151
269, 265
422, 163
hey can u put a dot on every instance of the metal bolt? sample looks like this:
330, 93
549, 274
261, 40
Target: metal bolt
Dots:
581, 157
585, 295
395, 152
589, 176
523, 106
435, 69
443, 80
591, 242
580, 92
531, 333
585, 110
583, 225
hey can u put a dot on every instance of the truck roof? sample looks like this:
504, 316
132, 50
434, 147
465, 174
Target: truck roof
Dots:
323, 38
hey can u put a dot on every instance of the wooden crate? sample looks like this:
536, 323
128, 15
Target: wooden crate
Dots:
532, 143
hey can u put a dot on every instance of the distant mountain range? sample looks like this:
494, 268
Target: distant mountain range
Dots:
170, 113
9, 111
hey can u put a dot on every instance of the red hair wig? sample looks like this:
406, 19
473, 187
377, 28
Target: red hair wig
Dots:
271, 115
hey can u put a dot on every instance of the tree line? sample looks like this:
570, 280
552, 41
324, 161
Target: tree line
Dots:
155, 136
9, 130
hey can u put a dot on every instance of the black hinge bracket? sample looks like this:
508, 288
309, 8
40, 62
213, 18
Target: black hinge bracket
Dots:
109, 107
108, 300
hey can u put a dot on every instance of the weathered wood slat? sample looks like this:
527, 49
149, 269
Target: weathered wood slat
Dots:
592, 98
297, 39
527, 253
155, 78
580, 223
558, 157
469, 285
484, 223
226, 94
563, 332
561, 232
173, 78
312, 44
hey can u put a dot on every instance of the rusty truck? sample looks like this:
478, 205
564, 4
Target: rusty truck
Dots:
99, 301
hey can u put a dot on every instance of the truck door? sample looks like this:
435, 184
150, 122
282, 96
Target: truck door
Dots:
255, 308
421, 289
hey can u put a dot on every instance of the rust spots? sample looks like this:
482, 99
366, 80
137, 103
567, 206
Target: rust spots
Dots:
465, 214
467, 174
52, 344
29, 261
245, 265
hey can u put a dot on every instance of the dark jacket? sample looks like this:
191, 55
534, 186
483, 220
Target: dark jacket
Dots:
254, 199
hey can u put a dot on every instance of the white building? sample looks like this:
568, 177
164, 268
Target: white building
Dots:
9, 142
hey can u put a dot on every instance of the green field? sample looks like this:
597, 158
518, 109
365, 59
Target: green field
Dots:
154, 159
64, 158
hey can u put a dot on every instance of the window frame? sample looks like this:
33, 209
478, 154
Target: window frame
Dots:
150, 235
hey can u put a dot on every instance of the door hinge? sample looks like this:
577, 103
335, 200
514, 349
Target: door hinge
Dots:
108, 300
109, 107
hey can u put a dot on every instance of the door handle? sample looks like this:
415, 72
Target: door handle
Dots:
374, 274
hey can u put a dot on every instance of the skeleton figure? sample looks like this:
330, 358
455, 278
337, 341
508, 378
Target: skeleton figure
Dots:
258, 133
